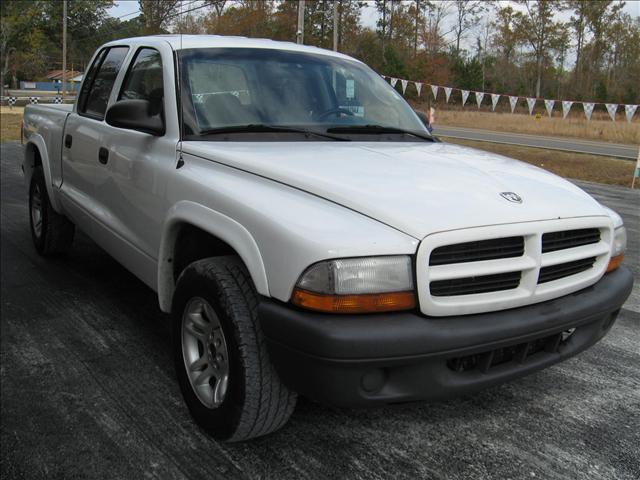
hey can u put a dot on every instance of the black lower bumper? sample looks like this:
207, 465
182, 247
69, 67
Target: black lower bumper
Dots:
351, 360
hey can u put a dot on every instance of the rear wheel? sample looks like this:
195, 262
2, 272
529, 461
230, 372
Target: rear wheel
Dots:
51, 232
222, 364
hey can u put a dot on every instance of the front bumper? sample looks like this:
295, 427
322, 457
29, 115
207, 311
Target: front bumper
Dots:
356, 360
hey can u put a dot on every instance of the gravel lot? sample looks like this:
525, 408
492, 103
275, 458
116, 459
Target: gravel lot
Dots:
88, 390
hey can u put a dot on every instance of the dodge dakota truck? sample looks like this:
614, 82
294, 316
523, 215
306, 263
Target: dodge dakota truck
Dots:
309, 236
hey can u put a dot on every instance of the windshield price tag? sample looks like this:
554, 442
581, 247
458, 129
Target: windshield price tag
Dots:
351, 89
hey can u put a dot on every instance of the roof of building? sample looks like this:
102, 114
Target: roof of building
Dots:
57, 74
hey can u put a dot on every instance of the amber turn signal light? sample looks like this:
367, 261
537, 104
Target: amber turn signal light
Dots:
362, 303
614, 263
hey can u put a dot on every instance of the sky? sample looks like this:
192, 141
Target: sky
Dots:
127, 9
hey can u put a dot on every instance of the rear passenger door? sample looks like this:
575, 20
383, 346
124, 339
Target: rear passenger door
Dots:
83, 158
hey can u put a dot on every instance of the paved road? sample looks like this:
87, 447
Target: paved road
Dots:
551, 143
88, 391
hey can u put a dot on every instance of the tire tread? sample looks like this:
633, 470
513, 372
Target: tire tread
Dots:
268, 405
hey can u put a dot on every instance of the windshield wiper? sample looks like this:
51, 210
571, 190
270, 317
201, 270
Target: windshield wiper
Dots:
377, 129
263, 128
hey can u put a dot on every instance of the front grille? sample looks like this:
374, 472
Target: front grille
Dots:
555, 272
477, 251
519, 353
554, 241
479, 284
502, 266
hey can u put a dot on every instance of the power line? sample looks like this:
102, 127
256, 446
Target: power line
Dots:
126, 15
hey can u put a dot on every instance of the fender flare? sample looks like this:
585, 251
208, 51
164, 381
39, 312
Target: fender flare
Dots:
37, 142
214, 223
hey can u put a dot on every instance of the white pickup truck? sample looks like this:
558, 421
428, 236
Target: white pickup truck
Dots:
308, 234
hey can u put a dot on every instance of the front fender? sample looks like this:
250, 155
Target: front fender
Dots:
217, 224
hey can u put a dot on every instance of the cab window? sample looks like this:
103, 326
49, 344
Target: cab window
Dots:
144, 78
94, 103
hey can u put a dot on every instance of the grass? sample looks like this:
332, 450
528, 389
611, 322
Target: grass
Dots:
600, 128
10, 121
593, 168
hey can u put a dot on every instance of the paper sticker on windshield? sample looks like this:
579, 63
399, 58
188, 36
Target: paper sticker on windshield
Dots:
358, 110
351, 89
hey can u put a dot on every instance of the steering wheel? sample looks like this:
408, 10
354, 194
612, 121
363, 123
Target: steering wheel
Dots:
331, 111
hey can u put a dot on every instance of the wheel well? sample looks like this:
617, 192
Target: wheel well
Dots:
193, 243
32, 159
32, 155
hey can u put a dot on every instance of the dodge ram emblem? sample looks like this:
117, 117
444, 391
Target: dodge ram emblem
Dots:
511, 196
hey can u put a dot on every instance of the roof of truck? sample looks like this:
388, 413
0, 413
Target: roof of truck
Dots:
181, 42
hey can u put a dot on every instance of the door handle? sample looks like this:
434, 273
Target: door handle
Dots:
103, 155
67, 140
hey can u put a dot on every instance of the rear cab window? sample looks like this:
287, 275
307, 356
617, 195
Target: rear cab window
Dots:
95, 93
144, 79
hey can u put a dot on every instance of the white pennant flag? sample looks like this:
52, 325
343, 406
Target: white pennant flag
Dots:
532, 103
494, 101
465, 95
588, 109
393, 81
418, 87
629, 111
566, 106
447, 92
404, 85
513, 101
612, 108
434, 90
479, 97
548, 104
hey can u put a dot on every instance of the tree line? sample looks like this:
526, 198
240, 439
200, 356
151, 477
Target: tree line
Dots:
574, 49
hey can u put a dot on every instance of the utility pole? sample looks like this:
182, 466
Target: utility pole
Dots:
300, 31
64, 50
335, 25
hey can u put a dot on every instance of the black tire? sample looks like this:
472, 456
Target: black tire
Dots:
52, 233
256, 402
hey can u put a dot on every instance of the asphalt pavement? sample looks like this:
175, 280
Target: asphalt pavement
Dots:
629, 152
88, 390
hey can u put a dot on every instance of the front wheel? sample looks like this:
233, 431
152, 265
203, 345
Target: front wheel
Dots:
51, 232
228, 383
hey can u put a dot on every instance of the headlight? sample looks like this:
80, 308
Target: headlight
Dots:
357, 285
617, 248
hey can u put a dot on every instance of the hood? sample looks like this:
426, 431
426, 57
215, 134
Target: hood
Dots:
417, 188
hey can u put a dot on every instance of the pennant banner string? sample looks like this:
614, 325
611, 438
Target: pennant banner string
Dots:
612, 108
465, 95
513, 101
588, 109
548, 104
494, 101
447, 92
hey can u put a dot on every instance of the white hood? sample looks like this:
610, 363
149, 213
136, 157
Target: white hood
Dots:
418, 188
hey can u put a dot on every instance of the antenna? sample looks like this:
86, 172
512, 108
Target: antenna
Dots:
179, 93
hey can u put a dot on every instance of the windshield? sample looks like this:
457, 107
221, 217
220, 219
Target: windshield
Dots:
224, 88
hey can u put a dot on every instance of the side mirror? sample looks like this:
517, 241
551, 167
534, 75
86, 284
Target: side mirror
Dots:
139, 115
